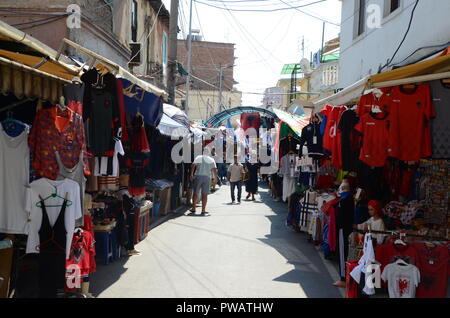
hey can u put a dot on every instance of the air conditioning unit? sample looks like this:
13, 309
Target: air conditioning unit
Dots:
135, 53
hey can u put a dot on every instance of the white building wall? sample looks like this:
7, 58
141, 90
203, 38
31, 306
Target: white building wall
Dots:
364, 55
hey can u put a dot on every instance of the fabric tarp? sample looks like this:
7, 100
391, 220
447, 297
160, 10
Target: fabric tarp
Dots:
52, 68
176, 114
297, 123
437, 65
170, 127
26, 82
138, 100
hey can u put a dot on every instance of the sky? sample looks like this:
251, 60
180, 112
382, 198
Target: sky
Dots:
264, 41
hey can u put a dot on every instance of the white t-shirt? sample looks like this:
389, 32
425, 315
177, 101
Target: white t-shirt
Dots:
14, 179
45, 188
204, 165
236, 172
402, 280
376, 225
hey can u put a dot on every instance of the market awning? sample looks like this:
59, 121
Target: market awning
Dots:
434, 66
176, 114
170, 127
37, 54
41, 64
26, 82
120, 71
345, 96
297, 123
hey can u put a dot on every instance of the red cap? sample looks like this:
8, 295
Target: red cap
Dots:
376, 205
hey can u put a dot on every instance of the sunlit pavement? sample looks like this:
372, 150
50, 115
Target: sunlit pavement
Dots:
240, 250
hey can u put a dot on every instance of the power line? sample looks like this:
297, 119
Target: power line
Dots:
309, 14
260, 10
404, 38
246, 39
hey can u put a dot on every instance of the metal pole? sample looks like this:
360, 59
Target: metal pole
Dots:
220, 88
173, 28
323, 42
189, 60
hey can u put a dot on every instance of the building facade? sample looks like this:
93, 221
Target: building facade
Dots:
107, 27
212, 73
274, 97
366, 23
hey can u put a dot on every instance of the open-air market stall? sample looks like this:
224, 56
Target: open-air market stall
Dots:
73, 144
374, 180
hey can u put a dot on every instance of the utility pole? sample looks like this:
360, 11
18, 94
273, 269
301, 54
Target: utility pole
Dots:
188, 82
303, 47
173, 31
220, 88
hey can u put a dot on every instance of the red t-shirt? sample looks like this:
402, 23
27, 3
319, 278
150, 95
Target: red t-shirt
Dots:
375, 131
332, 135
387, 253
409, 133
82, 254
434, 266
368, 101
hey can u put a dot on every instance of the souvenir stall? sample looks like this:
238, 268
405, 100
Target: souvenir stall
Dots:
376, 179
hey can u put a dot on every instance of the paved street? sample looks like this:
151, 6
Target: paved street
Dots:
239, 251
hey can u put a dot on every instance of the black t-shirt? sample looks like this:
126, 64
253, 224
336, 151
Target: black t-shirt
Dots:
350, 140
313, 138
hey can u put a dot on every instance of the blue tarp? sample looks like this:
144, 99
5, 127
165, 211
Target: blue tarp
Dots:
138, 100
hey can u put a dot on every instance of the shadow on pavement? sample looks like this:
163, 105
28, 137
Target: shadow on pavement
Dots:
107, 275
309, 270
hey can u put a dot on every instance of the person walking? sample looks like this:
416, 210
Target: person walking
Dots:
203, 170
236, 175
251, 185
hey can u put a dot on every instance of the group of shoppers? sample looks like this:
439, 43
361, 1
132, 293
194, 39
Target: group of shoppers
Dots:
205, 172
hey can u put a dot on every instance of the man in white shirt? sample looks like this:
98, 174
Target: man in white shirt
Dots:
203, 168
236, 176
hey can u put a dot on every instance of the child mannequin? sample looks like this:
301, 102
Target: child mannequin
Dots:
375, 222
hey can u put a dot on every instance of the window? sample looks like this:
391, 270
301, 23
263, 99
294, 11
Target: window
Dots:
134, 18
390, 6
395, 4
361, 17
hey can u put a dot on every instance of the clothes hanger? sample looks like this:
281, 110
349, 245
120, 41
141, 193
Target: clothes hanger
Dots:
53, 195
76, 80
401, 262
10, 123
446, 81
400, 241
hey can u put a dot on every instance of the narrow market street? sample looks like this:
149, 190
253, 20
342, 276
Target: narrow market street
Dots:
239, 251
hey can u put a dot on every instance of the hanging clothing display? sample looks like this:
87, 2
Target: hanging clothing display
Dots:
350, 141
14, 176
313, 139
402, 279
434, 265
56, 130
368, 259
375, 131
53, 194
440, 124
74, 96
52, 252
410, 115
76, 173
